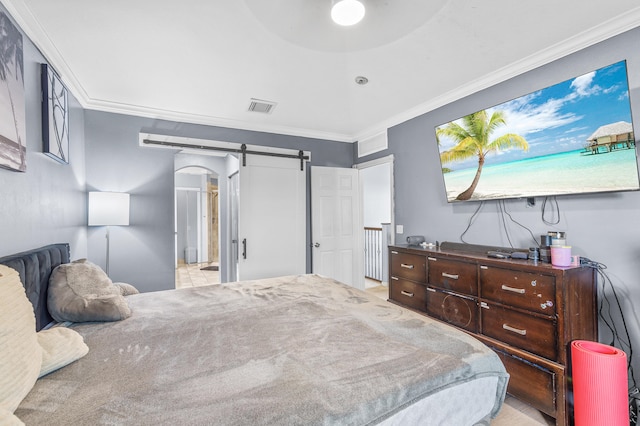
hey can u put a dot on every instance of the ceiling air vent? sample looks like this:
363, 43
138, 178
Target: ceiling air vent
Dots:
258, 105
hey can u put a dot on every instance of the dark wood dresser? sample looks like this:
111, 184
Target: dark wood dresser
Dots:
527, 312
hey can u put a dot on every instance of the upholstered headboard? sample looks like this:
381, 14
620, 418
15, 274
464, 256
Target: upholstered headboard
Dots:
35, 267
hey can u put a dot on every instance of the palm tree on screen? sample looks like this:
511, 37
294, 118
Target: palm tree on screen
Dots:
11, 62
473, 139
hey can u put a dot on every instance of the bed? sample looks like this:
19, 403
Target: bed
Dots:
291, 350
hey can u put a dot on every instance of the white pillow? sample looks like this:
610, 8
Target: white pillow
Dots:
21, 355
60, 346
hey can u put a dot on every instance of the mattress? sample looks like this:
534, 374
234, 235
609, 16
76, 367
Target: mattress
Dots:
290, 350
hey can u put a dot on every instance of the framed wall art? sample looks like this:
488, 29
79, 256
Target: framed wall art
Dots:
55, 116
13, 142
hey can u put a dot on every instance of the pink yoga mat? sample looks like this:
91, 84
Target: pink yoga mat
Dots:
600, 388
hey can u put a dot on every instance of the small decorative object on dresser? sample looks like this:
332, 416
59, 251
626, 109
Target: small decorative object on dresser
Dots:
528, 312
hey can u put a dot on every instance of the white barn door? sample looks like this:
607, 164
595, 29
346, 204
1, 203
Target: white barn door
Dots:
336, 228
271, 218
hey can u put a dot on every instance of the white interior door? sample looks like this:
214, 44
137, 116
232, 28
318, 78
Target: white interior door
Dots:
271, 218
336, 225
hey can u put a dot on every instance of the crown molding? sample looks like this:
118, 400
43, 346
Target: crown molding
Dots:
589, 37
182, 117
31, 27
28, 23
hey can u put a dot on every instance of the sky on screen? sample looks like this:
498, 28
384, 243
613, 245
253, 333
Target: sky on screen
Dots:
560, 118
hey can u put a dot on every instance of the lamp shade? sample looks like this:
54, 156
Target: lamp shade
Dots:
108, 208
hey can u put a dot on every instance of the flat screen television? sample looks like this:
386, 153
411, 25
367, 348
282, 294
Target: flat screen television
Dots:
575, 137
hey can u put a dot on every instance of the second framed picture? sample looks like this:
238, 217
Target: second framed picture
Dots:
55, 116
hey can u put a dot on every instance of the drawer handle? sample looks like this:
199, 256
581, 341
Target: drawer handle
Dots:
431, 290
453, 277
394, 278
404, 265
514, 330
433, 259
394, 252
406, 293
513, 289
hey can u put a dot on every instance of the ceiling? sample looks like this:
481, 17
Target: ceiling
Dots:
203, 61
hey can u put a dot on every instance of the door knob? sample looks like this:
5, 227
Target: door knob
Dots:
316, 245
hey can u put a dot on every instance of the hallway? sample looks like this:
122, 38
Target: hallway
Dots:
192, 275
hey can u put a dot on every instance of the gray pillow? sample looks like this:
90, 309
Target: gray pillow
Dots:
126, 289
81, 291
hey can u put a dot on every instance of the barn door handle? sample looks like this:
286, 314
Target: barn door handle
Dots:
244, 248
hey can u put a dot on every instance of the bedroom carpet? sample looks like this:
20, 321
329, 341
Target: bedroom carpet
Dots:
515, 412
379, 291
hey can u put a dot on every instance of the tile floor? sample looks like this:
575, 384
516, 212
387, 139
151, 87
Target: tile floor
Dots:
192, 275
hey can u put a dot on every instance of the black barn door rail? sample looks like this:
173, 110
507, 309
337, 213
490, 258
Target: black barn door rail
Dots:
243, 150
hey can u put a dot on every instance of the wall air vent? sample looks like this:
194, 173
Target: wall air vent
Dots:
258, 105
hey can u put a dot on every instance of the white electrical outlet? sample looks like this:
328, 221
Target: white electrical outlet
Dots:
399, 229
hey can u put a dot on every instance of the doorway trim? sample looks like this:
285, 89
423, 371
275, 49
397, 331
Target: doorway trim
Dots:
389, 159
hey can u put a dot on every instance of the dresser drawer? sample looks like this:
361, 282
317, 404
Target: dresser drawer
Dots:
533, 292
408, 293
532, 383
460, 277
409, 266
453, 308
533, 334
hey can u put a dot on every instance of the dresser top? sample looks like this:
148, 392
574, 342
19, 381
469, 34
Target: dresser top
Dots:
481, 257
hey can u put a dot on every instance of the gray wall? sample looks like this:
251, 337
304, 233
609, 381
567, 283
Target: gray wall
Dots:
602, 227
143, 253
47, 203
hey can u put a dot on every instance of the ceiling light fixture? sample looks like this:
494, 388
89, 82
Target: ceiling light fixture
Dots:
347, 12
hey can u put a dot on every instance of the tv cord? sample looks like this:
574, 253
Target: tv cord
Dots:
503, 211
471, 222
624, 342
544, 208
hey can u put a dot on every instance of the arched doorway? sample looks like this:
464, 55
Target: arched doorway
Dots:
197, 226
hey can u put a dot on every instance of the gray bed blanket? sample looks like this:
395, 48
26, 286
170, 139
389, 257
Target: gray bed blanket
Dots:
292, 350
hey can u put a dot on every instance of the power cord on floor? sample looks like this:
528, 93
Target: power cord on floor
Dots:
624, 341
634, 406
